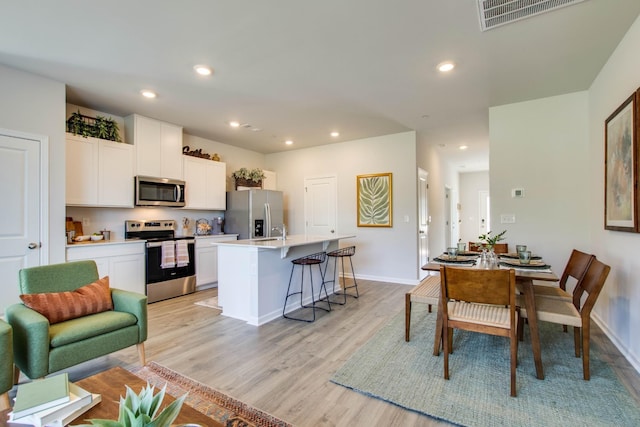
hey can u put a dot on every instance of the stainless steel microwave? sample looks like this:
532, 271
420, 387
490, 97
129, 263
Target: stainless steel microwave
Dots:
152, 191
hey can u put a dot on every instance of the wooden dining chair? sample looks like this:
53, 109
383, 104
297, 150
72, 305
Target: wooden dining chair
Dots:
575, 270
499, 248
479, 301
574, 313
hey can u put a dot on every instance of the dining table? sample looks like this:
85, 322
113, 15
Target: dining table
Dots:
525, 275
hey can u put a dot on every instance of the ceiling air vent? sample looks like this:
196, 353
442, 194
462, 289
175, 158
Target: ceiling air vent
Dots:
494, 13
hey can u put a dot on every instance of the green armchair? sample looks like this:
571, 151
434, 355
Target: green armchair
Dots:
41, 347
6, 364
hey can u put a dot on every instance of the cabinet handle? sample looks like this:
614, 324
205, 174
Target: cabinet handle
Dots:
33, 245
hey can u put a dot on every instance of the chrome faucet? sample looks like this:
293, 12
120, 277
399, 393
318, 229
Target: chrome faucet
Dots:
282, 230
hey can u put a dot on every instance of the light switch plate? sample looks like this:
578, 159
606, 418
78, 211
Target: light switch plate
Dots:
507, 219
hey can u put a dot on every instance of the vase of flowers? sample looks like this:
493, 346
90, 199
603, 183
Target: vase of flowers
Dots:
488, 258
248, 178
490, 241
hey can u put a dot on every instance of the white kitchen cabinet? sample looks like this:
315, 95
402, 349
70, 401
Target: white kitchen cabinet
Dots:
158, 146
124, 263
205, 183
269, 182
207, 258
81, 171
98, 172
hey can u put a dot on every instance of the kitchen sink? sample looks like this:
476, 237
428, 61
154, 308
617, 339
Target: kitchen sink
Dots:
266, 239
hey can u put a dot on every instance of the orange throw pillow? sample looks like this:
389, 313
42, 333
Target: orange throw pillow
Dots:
61, 306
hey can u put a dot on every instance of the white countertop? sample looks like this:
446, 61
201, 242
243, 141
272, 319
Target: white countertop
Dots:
104, 242
278, 243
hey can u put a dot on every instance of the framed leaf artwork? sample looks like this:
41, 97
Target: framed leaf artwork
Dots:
375, 194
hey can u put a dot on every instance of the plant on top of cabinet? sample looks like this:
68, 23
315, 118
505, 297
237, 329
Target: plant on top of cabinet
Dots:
248, 178
97, 127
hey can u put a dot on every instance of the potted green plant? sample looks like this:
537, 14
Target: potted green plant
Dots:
248, 178
490, 241
139, 410
98, 127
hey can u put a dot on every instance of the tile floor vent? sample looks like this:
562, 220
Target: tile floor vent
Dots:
494, 13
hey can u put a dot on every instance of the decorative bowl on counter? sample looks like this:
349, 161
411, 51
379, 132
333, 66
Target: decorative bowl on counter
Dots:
96, 237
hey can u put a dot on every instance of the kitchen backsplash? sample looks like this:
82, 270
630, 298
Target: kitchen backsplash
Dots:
112, 219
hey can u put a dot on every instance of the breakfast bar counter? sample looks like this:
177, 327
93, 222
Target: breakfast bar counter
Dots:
253, 274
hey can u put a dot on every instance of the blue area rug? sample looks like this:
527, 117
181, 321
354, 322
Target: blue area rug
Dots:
477, 393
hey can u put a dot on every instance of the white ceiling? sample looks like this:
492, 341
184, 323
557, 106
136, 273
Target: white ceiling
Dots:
298, 69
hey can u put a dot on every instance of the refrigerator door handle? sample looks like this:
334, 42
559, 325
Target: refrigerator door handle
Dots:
267, 216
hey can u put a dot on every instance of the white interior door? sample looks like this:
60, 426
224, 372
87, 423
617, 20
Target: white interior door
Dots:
447, 217
484, 217
20, 228
423, 221
320, 211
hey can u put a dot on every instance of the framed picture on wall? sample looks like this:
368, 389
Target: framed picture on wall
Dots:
621, 161
375, 196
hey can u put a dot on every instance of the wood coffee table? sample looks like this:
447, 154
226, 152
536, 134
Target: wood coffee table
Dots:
111, 385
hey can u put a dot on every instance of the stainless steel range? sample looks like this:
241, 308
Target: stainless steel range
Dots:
170, 260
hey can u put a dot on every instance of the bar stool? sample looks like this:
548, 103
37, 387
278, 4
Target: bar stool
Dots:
342, 253
310, 261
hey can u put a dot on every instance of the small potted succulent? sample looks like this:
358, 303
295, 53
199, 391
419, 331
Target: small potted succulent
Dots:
140, 410
248, 178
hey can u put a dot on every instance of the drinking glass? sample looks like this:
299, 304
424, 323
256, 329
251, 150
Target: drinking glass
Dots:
452, 252
525, 257
520, 248
462, 247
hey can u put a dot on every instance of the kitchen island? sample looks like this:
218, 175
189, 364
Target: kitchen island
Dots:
253, 275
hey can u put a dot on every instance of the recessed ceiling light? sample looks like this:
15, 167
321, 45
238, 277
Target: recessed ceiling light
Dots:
234, 124
288, 142
148, 93
335, 134
463, 147
203, 70
446, 66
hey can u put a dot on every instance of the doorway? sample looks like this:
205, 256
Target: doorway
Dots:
448, 221
423, 222
484, 215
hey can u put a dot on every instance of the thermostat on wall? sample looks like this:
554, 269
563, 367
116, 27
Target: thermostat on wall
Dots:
517, 192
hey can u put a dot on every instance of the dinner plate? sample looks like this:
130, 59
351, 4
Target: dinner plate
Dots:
515, 256
457, 260
534, 265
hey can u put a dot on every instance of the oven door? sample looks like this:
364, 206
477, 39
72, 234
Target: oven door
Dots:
156, 274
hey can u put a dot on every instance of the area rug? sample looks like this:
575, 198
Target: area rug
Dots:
220, 407
209, 302
477, 393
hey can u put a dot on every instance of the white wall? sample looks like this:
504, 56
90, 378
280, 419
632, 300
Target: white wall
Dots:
384, 254
36, 105
471, 183
542, 146
616, 310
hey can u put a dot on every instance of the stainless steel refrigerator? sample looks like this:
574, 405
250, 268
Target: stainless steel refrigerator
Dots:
253, 214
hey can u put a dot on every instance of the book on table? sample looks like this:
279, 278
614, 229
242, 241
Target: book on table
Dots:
80, 401
41, 394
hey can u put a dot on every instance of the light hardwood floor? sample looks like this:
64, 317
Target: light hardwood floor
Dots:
284, 367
